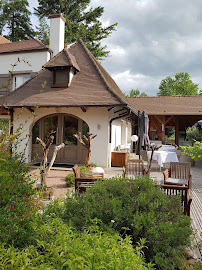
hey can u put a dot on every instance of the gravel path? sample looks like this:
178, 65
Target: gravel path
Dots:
56, 180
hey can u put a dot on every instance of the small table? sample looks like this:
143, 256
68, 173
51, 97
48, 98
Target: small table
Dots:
119, 159
168, 148
163, 157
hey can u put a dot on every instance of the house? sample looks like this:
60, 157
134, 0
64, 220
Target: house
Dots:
72, 93
176, 112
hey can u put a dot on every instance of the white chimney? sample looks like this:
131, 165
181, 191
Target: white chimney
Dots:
57, 33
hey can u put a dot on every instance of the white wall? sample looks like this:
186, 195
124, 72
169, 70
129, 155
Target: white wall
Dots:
96, 118
36, 61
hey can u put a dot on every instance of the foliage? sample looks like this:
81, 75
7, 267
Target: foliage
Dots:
82, 22
136, 93
58, 246
16, 21
43, 31
139, 209
17, 194
195, 151
70, 178
193, 134
180, 85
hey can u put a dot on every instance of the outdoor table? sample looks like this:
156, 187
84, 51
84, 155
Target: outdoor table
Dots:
163, 157
168, 148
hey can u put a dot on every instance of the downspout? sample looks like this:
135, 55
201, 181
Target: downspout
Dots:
115, 118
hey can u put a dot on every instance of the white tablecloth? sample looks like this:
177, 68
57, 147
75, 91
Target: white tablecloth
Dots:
163, 157
168, 148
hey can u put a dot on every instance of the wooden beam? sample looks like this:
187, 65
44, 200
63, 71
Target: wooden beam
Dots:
30, 109
163, 129
176, 130
169, 119
83, 109
119, 110
159, 120
110, 108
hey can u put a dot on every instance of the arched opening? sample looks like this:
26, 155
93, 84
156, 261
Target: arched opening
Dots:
62, 126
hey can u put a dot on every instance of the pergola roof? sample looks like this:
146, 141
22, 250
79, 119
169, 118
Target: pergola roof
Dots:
168, 105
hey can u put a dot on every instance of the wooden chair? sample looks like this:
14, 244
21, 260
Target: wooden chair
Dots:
178, 174
134, 168
177, 181
85, 179
183, 191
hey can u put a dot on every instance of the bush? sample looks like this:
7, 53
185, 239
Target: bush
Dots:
17, 200
58, 246
139, 209
70, 178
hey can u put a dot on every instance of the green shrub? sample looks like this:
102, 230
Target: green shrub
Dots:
139, 209
69, 179
17, 202
58, 246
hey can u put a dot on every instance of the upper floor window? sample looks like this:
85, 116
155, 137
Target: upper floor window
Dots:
19, 79
61, 77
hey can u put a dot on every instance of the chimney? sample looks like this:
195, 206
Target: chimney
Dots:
57, 33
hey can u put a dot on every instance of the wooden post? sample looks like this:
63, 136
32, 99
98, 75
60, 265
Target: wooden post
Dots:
163, 130
177, 130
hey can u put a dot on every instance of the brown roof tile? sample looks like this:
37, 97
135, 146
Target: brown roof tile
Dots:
21, 46
4, 40
168, 105
63, 59
92, 86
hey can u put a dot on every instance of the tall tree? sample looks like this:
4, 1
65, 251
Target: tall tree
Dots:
136, 93
43, 31
16, 20
180, 85
82, 22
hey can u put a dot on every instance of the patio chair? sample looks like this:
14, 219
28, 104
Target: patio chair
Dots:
178, 174
85, 179
134, 168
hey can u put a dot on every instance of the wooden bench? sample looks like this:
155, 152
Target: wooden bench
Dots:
85, 179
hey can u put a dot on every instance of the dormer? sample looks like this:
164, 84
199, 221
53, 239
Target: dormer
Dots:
63, 67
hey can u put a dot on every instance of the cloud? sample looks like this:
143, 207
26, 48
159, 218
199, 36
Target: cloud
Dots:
154, 39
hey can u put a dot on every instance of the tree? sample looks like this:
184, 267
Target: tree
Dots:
43, 31
82, 22
180, 85
15, 19
136, 93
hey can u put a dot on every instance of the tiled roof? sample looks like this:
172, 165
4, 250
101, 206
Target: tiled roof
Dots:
63, 59
92, 86
22, 46
4, 40
168, 105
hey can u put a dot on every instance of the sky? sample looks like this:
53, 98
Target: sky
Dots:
154, 39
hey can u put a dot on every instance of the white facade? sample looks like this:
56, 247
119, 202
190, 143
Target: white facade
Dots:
36, 61
96, 118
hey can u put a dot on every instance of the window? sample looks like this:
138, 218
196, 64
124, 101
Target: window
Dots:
50, 126
61, 77
70, 128
19, 79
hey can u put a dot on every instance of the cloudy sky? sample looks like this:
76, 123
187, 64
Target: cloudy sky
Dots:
154, 39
